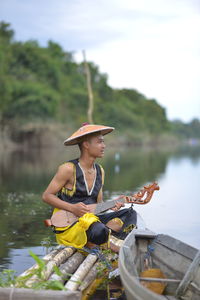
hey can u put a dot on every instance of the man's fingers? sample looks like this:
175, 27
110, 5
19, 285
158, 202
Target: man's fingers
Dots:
119, 204
81, 209
82, 204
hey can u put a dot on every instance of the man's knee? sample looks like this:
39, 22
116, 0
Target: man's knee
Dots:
115, 224
98, 233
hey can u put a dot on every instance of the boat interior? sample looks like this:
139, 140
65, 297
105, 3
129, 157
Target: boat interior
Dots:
159, 267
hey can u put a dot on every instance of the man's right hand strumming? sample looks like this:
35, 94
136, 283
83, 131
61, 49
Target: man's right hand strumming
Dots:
79, 209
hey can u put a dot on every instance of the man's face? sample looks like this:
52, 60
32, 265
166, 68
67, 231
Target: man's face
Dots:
96, 146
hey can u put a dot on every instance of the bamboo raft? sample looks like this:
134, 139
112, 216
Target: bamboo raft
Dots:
82, 267
77, 271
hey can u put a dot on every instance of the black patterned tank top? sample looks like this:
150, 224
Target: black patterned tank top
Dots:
80, 191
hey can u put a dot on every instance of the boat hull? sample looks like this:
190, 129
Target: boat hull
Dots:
170, 255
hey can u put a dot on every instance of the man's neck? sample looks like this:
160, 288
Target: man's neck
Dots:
86, 162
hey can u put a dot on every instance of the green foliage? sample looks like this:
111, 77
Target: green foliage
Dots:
6, 34
41, 83
190, 130
41, 264
8, 277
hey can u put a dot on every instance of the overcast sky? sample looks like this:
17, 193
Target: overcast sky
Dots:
149, 45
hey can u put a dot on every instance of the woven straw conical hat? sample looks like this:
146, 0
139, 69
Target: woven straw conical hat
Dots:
86, 129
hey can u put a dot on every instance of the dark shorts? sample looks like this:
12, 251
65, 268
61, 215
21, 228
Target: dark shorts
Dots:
98, 232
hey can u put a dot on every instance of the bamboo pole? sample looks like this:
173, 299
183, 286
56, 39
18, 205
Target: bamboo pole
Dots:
89, 290
90, 277
59, 258
87, 293
89, 88
92, 274
69, 267
46, 259
81, 272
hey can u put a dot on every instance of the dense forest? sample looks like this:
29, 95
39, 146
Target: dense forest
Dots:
45, 84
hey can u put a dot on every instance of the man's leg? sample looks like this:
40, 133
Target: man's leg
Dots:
98, 234
119, 220
115, 224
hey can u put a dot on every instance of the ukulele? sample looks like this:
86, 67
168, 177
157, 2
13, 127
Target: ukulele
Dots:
63, 218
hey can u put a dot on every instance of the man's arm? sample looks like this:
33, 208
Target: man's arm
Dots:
62, 177
100, 196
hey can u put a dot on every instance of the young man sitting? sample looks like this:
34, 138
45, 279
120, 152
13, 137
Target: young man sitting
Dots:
76, 186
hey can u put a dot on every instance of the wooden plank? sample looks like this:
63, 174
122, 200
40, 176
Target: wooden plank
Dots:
189, 275
176, 245
29, 294
173, 260
144, 233
167, 280
142, 246
172, 263
129, 252
128, 260
195, 287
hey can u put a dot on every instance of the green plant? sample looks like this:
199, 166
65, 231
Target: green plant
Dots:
7, 278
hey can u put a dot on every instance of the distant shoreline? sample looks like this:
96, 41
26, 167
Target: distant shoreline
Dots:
39, 136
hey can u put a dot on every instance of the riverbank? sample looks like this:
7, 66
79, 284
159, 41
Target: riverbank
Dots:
51, 134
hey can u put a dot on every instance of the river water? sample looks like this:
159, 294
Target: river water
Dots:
173, 210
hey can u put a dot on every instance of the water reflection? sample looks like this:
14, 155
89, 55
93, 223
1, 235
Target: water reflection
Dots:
21, 222
133, 169
175, 209
31, 171
24, 175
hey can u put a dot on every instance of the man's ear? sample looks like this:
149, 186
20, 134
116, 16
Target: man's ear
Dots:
85, 144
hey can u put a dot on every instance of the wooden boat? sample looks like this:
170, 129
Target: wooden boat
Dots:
158, 267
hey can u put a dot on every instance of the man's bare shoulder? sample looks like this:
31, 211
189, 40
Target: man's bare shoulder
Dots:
66, 167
